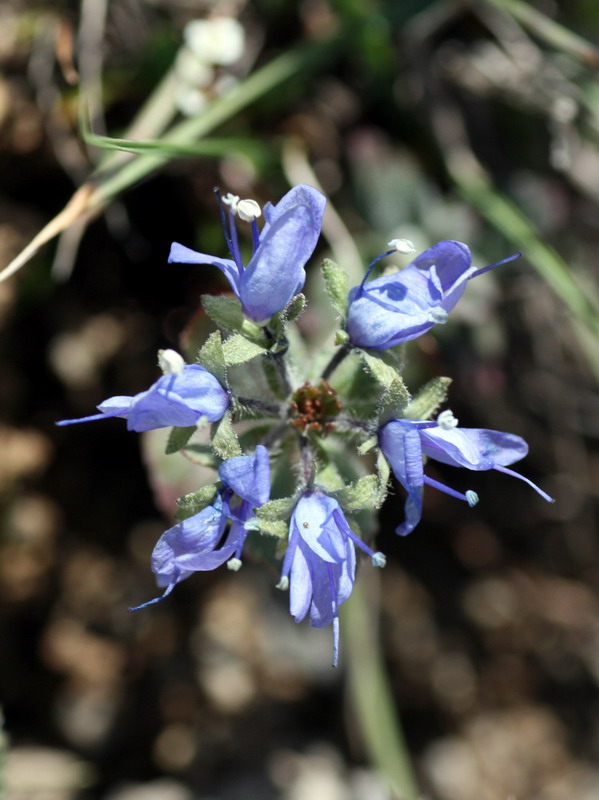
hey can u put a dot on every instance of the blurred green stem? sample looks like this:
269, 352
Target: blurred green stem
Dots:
371, 695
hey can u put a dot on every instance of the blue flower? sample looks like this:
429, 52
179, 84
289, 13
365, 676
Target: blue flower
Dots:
275, 273
399, 307
194, 545
320, 562
175, 399
404, 443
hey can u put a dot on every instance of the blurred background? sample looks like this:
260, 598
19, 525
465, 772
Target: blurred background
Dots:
475, 121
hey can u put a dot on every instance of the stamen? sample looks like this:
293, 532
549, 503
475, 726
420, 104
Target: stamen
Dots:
373, 264
496, 264
283, 584
255, 235
166, 592
379, 559
446, 420
234, 564
248, 210
472, 498
511, 472
442, 488
231, 200
403, 246
170, 362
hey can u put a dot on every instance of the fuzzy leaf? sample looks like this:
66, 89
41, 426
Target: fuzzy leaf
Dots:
394, 401
193, 503
212, 358
224, 311
358, 495
224, 439
295, 308
382, 365
384, 473
367, 446
178, 438
237, 349
426, 403
329, 478
273, 527
337, 286
277, 509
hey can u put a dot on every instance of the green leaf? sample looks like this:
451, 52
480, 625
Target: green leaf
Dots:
224, 311
367, 446
273, 527
384, 473
394, 401
295, 308
280, 509
212, 358
178, 438
358, 495
202, 454
237, 349
224, 439
382, 365
329, 477
426, 403
197, 501
337, 286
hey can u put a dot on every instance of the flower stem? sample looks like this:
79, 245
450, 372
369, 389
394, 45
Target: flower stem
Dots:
343, 351
371, 694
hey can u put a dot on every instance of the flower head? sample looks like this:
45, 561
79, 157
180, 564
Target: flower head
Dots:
275, 272
177, 398
404, 442
399, 307
320, 563
194, 545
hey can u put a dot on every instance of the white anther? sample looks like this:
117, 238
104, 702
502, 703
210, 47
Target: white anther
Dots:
231, 200
446, 420
170, 362
379, 560
283, 584
234, 564
404, 246
248, 210
471, 497
438, 315
192, 70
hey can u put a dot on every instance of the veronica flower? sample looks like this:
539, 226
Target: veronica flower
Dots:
275, 272
399, 307
320, 563
404, 442
180, 397
195, 544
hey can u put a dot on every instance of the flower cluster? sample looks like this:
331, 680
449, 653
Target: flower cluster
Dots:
358, 399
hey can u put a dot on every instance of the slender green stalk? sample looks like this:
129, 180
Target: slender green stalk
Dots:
244, 94
372, 698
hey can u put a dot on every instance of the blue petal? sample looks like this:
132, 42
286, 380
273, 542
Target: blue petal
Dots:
179, 254
395, 308
152, 409
452, 262
248, 476
190, 546
311, 515
400, 442
199, 389
275, 273
300, 585
473, 448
